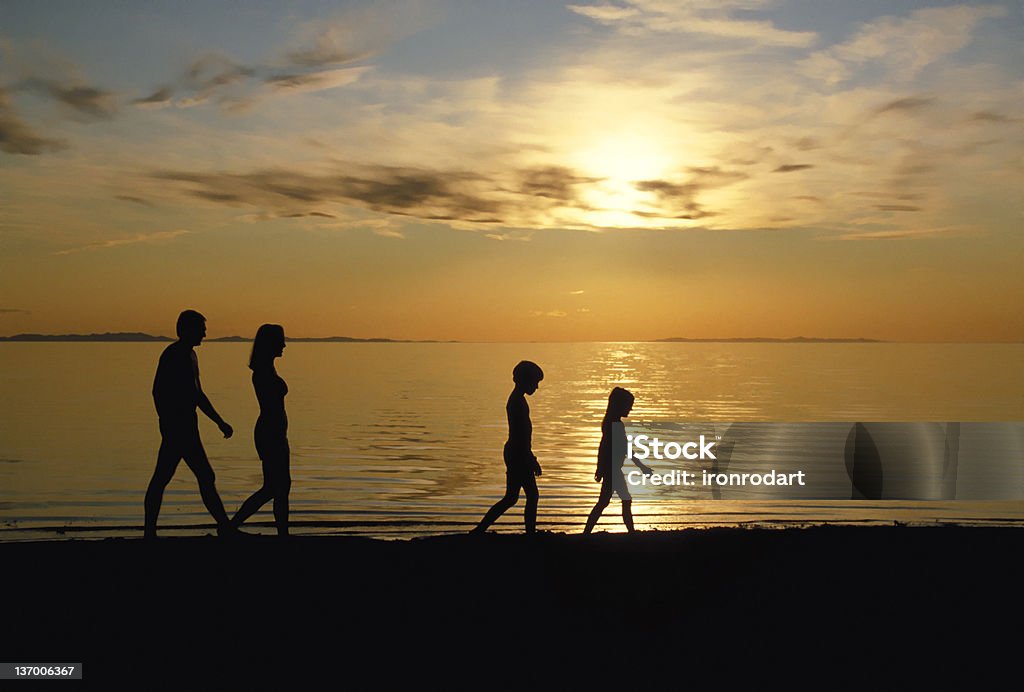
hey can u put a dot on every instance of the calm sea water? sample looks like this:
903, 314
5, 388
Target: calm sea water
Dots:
393, 440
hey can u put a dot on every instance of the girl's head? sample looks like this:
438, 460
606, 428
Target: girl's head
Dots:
268, 345
620, 403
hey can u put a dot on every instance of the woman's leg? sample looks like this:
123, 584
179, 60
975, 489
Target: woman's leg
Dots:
266, 492
282, 486
252, 505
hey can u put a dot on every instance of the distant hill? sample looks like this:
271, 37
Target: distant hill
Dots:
765, 340
141, 337
106, 336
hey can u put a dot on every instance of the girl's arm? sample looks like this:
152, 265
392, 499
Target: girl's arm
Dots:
604, 458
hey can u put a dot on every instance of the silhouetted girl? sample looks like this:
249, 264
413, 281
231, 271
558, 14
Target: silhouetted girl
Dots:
271, 428
609, 468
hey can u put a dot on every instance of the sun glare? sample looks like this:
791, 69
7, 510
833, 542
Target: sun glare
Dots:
619, 161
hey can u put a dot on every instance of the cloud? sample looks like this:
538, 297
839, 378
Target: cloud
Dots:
717, 19
134, 200
902, 45
791, 167
680, 199
17, 137
556, 183
895, 235
521, 198
314, 81
549, 313
359, 33
911, 103
577, 293
897, 207
351, 36
990, 117
161, 98
79, 100
133, 240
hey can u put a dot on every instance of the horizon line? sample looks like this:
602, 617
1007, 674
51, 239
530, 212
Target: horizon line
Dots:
143, 337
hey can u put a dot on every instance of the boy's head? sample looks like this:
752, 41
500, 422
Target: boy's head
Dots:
527, 375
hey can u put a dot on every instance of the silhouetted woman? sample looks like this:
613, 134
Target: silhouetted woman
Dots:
609, 469
271, 428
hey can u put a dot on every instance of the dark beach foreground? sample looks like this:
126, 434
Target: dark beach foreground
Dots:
829, 607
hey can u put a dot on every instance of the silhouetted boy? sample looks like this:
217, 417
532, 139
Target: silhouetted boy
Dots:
521, 466
177, 393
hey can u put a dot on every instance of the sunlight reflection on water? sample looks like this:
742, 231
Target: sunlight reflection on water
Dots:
405, 439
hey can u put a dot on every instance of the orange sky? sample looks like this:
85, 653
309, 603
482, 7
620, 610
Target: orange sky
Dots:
659, 170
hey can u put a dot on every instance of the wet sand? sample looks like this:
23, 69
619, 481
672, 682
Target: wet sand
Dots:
834, 607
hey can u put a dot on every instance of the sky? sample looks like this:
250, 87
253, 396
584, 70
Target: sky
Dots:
515, 171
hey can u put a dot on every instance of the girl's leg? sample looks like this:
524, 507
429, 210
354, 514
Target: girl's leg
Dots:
627, 515
602, 502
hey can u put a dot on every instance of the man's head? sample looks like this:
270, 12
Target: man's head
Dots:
527, 375
191, 327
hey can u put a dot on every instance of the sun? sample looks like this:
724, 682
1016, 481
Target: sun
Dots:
618, 161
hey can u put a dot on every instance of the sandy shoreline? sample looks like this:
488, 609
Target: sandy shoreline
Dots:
847, 599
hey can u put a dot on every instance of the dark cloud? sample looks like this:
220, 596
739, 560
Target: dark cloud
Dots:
302, 214
910, 103
790, 167
134, 200
14, 311
83, 102
325, 54
553, 182
897, 207
160, 97
990, 117
445, 195
807, 144
17, 137
680, 199
808, 198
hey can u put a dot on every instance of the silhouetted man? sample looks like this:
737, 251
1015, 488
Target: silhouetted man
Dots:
177, 393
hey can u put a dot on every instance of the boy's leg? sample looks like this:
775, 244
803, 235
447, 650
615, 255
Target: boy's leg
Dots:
512, 485
532, 496
166, 462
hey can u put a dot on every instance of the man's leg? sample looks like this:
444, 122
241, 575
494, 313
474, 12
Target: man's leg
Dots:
166, 462
195, 457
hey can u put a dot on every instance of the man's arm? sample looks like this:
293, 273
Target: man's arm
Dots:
206, 407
